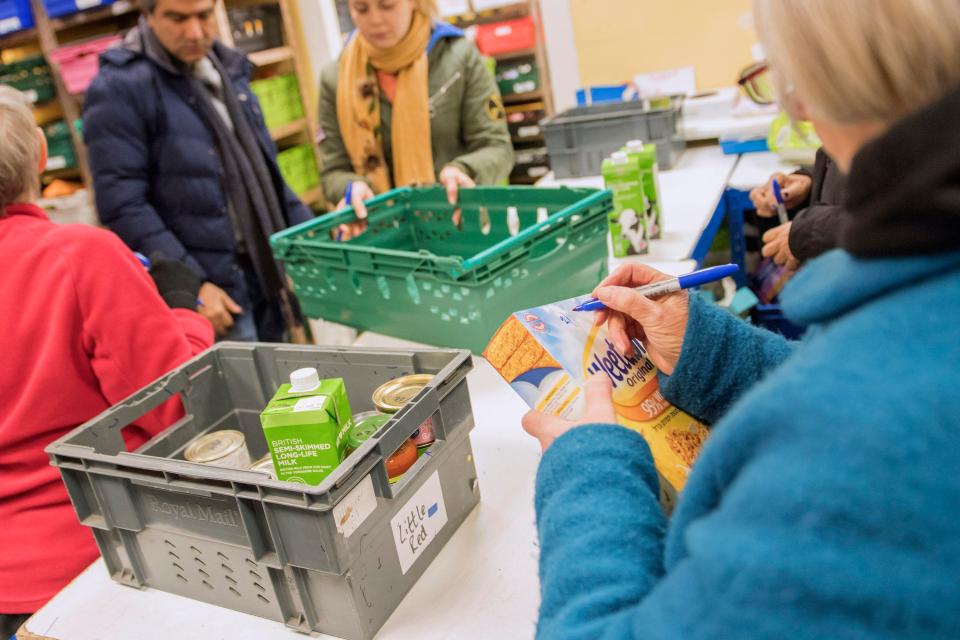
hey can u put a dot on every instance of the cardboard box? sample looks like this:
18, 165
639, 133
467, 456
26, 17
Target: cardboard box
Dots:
306, 431
547, 353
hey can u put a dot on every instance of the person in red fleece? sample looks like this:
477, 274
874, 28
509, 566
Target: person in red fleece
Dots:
83, 325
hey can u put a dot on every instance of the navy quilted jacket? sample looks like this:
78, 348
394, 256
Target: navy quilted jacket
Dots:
157, 172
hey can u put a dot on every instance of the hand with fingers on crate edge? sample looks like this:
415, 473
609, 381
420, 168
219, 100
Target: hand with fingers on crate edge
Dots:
357, 193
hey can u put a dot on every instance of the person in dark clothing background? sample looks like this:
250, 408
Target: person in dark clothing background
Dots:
815, 195
183, 164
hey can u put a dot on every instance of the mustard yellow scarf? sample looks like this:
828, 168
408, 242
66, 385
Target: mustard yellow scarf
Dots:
358, 108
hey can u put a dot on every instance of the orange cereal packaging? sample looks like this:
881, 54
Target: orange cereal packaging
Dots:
546, 353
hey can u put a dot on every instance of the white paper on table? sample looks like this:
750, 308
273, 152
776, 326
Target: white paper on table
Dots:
671, 82
449, 8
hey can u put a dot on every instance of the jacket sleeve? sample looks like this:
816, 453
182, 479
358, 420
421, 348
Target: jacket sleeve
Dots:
130, 335
116, 135
816, 230
336, 169
297, 212
601, 531
721, 358
489, 158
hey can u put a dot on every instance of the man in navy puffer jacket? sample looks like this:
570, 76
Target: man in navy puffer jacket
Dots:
183, 164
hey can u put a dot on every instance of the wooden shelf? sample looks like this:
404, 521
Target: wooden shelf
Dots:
289, 129
18, 38
120, 8
516, 98
65, 173
312, 197
513, 55
268, 57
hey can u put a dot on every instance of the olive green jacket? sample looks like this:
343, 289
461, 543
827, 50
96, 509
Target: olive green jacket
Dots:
467, 121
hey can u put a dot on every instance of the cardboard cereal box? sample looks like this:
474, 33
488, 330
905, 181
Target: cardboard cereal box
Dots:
546, 353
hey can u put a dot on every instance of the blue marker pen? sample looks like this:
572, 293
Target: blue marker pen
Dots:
347, 201
781, 209
695, 279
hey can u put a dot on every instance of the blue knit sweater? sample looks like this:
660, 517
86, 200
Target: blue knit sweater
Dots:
826, 503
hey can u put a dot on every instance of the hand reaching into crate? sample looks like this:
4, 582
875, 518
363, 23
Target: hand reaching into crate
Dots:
357, 193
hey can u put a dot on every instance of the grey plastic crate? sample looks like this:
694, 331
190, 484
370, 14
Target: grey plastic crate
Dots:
580, 138
297, 554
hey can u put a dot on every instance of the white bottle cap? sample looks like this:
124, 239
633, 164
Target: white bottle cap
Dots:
306, 379
635, 145
619, 157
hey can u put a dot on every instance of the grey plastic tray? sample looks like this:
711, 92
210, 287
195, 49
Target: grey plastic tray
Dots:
580, 138
319, 559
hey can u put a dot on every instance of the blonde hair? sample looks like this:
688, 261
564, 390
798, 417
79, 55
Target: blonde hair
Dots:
20, 150
862, 60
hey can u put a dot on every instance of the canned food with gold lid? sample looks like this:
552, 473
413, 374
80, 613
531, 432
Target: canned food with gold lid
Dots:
401, 460
264, 465
364, 426
392, 396
226, 448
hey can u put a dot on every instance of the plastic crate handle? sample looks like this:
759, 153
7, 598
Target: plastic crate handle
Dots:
562, 216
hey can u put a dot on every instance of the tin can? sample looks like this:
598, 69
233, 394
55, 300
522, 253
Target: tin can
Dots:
227, 448
392, 396
401, 460
265, 465
364, 426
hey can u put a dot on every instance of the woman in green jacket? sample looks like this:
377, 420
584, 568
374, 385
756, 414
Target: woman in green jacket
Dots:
409, 102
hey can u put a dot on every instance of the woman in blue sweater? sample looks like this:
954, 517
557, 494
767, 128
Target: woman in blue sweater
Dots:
826, 503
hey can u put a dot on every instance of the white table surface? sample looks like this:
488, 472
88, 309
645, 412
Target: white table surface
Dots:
482, 585
754, 169
689, 193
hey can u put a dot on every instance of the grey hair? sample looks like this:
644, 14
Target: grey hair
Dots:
20, 151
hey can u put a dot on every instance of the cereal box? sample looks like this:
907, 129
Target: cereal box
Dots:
546, 353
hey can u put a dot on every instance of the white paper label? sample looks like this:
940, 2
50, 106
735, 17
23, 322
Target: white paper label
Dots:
526, 132
8, 25
310, 403
525, 87
355, 507
88, 4
56, 162
419, 522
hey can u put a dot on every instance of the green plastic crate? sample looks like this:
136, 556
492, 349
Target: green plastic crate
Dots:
414, 275
518, 77
31, 76
279, 99
299, 168
60, 151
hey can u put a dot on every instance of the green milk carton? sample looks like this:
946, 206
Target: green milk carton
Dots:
628, 221
305, 425
646, 156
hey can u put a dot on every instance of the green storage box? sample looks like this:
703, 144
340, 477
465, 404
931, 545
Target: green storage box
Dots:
31, 76
299, 168
60, 151
414, 275
518, 77
279, 99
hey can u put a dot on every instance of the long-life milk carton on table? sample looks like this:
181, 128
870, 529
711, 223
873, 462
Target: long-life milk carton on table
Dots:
547, 353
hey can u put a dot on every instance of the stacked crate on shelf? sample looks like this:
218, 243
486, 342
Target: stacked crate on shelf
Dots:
299, 168
15, 16
31, 75
509, 34
280, 99
60, 151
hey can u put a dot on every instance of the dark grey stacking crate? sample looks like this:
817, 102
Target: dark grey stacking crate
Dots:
241, 540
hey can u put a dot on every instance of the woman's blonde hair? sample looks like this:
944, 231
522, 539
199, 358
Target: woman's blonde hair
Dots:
20, 149
862, 60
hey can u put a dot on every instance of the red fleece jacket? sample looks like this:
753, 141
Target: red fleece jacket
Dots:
81, 327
